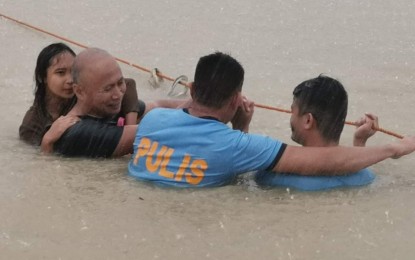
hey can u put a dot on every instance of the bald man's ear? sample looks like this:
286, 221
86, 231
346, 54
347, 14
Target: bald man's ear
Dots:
79, 91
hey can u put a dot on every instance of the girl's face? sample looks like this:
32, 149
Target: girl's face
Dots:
58, 76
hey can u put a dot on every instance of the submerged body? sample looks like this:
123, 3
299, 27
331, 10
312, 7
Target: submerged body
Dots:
315, 183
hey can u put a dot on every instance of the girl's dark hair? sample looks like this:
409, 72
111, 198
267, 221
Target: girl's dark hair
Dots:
44, 61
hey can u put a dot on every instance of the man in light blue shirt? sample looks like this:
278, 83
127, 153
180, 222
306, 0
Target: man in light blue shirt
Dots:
319, 112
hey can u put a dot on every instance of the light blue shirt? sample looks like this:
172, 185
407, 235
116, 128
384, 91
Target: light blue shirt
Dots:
313, 183
174, 148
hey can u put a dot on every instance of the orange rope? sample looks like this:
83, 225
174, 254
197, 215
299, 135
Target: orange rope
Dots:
84, 46
347, 122
273, 108
41, 30
378, 129
167, 77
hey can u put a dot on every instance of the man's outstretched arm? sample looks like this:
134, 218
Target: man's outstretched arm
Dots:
339, 160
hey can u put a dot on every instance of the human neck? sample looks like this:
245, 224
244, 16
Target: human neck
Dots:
54, 105
316, 140
81, 110
199, 110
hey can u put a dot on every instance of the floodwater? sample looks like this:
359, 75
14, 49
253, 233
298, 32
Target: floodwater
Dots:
57, 208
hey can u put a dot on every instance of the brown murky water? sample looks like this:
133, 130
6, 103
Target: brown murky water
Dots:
55, 208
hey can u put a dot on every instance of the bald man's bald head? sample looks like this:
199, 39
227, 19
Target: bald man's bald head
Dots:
98, 83
85, 60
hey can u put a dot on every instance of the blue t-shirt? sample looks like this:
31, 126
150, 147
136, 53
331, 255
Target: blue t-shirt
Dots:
174, 148
314, 183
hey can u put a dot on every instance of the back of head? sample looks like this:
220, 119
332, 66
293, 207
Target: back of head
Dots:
218, 76
43, 62
326, 99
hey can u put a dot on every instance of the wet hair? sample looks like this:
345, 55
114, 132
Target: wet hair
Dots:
218, 76
44, 61
326, 99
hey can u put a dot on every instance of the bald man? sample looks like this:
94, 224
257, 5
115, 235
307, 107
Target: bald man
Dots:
99, 87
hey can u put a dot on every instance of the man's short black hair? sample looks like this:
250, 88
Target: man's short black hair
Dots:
326, 99
218, 76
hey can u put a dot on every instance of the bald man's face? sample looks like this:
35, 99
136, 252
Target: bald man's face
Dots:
104, 87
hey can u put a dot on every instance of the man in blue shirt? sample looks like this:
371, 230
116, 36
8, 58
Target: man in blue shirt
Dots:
319, 112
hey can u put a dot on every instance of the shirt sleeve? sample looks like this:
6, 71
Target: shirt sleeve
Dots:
255, 152
33, 127
89, 138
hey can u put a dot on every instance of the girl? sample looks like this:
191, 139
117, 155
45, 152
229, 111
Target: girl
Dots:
53, 92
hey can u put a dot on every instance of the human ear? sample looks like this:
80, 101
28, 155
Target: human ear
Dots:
192, 91
308, 120
236, 100
79, 91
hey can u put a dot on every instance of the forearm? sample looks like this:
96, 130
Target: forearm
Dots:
366, 128
47, 144
241, 127
55, 132
131, 118
125, 144
167, 103
331, 160
243, 115
359, 142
